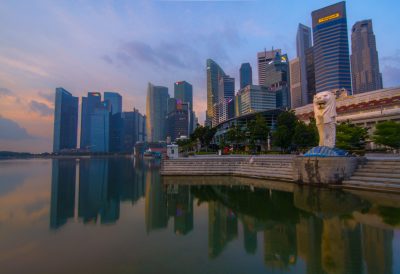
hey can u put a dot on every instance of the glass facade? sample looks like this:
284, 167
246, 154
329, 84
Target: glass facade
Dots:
331, 48
156, 112
89, 104
115, 100
303, 43
134, 129
65, 120
246, 75
100, 128
214, 72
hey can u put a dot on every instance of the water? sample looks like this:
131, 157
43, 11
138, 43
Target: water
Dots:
120, 216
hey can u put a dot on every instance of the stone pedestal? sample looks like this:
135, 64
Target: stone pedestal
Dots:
324, 170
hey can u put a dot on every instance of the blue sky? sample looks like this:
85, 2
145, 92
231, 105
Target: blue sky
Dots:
122, 45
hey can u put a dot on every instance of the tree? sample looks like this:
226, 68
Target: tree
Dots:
283, 136
388, 134
204, 135
258, 130
350, 136
235, 135
305, 136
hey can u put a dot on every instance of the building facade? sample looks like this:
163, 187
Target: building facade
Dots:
246, 75
303, 42
331, 48
65, 120
156, 112
214, 72
183, 92
115, 100
295, 83
134, 129
100, 120
178, 121
310, 71
89, 104
277, 79
364, 58
263, 59
254, 98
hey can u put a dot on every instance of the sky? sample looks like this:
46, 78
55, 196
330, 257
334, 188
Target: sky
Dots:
122, 45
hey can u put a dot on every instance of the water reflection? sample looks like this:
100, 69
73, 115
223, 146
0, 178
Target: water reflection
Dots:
329, 231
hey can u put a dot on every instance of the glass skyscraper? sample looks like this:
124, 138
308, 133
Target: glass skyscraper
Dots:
263, 59
214, 72
364, 58
183, 91
156, 112
246, 75
303, 42
331, 48
116, 101
100, 128
65, 120
89, 104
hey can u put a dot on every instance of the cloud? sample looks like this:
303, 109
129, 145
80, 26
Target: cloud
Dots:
390, 75
49, 97
106, 58
40, 108
10, 130
5, 92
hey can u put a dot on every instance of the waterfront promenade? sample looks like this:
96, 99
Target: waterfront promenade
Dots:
373, 172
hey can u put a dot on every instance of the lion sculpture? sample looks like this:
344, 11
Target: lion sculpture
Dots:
325, 116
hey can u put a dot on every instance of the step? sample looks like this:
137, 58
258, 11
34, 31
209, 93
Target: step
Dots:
375, 179
371, 186
394, 175
378, 169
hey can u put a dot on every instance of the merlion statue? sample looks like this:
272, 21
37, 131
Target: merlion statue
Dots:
325, 117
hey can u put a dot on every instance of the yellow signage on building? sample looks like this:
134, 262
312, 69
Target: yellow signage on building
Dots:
329, 17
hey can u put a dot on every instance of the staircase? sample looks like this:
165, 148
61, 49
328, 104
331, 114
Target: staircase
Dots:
253, 167
376, 174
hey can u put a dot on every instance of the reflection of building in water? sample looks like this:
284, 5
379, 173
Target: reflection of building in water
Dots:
279, 245
133, 180
377, 249
250, 234
308, 236
180, 206
222, 227
341, 246
62, 191
93, 192
155, 210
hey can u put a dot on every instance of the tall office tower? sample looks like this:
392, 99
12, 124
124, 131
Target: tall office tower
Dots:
277, 79
178, 121
134, 129
364, 58
226, 88
263, 58
89, 103
254, 98
65, 120
115, 100
183, 91
310, 71
295, 83
100, 126
246, 75
214, 72
331, 48
303, 42
156, 112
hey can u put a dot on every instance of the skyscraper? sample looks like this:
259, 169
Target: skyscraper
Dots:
156, 112
226, 87
331, 48
183, 91
303, 42
364, 58
263, 58
115, 100
65, 120
214, 71
246, 75
277, 79
89, 103
295, 83
100, 125
134, 129
310, 71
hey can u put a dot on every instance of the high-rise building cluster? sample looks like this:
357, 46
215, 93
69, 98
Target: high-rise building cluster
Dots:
104, 126
323, 65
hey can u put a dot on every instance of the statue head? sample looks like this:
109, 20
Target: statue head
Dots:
325, 106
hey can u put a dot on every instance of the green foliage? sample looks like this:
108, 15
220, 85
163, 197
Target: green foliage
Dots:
258, 129
204, 135
387, 134
235, 135
305, 136
351, 137
283, 136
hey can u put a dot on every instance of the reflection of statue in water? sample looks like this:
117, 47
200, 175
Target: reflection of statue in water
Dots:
325, 116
